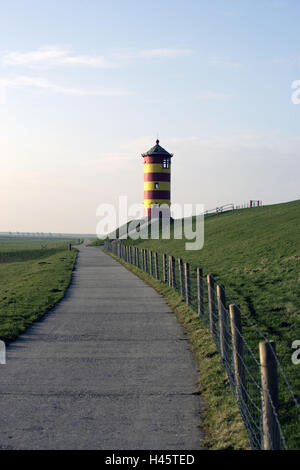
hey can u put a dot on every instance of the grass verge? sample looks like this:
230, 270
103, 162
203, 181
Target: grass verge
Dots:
28, 289
96, 242
221, 421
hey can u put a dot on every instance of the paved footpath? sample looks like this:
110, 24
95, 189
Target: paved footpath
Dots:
108, 368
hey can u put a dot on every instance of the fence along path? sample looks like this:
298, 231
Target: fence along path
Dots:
254, 376
108, 368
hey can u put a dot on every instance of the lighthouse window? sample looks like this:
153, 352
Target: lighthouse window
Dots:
155, 185
166, 163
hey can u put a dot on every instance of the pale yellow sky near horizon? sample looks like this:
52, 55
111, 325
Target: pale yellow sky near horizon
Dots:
47, 193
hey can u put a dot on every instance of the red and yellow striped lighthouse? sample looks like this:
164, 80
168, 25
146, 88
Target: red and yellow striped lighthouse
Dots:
157, 181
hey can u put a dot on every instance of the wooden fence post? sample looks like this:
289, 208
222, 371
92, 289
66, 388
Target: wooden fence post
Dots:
151, 262
211, 304
181, 277
224, 337
156, 265
143, 259
146, 260
138, 257
238, 353
169, 271
269, 382
187, 283
165, 277
173, 273
69, 246
200, 293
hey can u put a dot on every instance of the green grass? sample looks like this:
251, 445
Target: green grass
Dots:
220, 418
32, 280
255, 254
23, 248
96, 242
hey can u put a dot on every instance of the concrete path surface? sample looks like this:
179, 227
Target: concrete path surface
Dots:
108, 368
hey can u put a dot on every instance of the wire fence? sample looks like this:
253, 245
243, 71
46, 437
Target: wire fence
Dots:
254, 376
232, 207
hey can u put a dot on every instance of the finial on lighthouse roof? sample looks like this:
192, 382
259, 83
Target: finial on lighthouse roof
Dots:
157, 150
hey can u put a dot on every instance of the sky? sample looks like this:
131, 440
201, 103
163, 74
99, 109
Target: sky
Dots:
86, 86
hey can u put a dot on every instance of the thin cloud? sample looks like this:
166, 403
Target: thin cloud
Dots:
23, 81
213, 95
295, 61
54, 56
221, 62
169, 53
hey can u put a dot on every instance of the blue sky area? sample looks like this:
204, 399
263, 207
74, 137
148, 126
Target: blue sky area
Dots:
86, 86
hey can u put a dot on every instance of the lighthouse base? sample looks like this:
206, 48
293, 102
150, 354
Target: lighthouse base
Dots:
157, 212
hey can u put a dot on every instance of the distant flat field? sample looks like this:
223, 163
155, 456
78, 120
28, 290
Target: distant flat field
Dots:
27, 243
34, 275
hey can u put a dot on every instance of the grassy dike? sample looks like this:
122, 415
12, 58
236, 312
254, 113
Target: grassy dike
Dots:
28, 289
255, 254
220, 417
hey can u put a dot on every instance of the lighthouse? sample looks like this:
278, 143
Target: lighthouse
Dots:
157, 181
